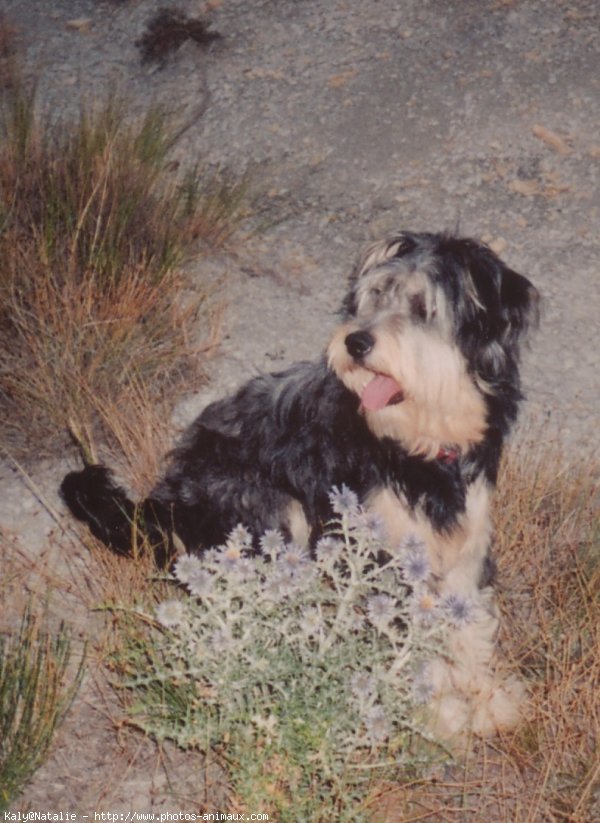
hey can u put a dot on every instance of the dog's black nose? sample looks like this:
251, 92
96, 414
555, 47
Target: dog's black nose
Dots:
359, 344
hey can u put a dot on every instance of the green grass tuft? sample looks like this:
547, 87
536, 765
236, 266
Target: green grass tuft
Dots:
35, 693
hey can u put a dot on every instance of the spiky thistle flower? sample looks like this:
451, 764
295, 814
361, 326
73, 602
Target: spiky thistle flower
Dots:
459, 609
377, 725
343, 501
170, 613
381, 610
185, 566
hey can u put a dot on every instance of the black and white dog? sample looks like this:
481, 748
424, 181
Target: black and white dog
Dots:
409, 408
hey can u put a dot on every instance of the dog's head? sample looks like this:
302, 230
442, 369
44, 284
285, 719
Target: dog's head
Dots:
431, 333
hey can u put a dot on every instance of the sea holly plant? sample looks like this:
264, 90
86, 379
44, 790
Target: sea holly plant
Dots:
308, 672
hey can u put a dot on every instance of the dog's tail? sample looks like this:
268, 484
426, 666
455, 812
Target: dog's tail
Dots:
94, 498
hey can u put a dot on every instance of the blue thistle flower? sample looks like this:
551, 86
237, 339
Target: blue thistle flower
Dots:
343, 501
186, 566
199, 582
370, 524
240, 537
458, 609
229, 557
328, 551
411, 542
376, 724
381, 610
272, 542
169, 613
423, 606
363, 685
415, 563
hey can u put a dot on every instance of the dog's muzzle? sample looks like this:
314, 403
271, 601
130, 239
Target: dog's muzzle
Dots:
381, 390
359, 344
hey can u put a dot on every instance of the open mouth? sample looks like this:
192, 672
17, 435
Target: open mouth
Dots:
381, 391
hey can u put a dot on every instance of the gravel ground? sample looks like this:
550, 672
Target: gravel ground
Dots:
358, 118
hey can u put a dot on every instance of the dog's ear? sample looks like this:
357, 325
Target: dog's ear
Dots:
510, 301
500, 308
519, 300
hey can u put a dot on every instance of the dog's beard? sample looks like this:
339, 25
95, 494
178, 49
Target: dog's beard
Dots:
413, 387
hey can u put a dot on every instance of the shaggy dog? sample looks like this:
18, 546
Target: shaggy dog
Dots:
409, 408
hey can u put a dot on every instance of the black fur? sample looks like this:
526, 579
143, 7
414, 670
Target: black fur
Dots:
295, 434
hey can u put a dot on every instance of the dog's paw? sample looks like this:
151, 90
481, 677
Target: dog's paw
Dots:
498, 706
489, 706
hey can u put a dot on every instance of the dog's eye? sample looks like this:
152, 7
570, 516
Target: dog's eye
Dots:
375, 291
418, 306
405, 246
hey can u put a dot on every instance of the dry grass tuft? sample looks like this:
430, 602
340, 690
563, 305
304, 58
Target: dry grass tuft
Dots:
548, 521
96, 313
548, 528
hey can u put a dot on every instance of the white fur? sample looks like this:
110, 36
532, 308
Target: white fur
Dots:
456, 558
471, 693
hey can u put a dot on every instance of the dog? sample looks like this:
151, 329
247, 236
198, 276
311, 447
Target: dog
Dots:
409, 407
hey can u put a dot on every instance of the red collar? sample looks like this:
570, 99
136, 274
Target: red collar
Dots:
448, 454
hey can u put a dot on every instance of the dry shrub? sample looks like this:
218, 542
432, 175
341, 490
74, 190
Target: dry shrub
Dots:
168, 29
547, 544
96, 314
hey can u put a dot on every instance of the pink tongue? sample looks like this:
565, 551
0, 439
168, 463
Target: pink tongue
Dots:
380, 392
